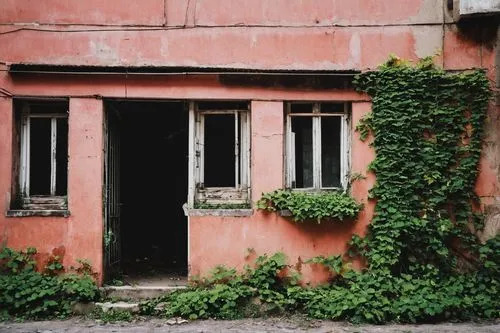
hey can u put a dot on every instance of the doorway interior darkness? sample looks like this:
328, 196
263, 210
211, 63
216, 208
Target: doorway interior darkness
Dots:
153, 178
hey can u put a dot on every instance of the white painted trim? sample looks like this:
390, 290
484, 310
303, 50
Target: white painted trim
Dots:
244, 151
201, 151
191, 156
236, 151
27, 145
241, 150
344, 148
316, 143
53, 162
293, 171
248, 150
290, 172
228, 111
48, 115
25, 151
316, 114
289, 149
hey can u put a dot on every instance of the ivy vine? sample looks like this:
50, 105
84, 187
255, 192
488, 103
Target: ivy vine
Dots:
311, 206
427, 126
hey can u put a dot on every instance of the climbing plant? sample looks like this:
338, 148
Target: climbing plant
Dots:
427, 126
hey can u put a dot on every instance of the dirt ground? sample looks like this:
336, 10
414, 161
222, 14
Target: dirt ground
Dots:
77, 325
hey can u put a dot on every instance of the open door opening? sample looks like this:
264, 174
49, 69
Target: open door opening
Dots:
152, 169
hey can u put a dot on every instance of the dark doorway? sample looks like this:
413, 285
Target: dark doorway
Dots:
153, 167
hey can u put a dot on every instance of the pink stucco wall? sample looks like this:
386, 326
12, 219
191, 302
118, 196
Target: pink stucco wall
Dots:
262, 34
246, 34
80, 235
267, 233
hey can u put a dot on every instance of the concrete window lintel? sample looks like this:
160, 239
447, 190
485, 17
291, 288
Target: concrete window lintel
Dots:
32, 212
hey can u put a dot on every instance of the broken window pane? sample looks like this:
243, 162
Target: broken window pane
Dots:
330, 151
219, 150
40, 158
302, 129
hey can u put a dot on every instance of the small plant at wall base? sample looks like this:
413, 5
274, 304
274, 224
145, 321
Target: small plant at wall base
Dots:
227, 294
317, 206
28, 294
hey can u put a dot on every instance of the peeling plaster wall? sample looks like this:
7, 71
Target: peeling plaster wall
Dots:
488, 182
244, 34
80, 234
261, 34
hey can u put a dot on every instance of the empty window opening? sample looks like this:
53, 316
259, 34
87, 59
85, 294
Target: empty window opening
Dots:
41, 148
221, 140
302, 136
152, 164
220, 150
317, 156
40, 156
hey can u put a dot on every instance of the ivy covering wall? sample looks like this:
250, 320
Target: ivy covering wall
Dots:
428, 127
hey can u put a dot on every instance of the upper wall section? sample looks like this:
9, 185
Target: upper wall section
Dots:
222, 12
98, 12
301, 48
246, 34
302, 12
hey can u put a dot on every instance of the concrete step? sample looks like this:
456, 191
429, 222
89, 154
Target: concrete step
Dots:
137, 293
119, 306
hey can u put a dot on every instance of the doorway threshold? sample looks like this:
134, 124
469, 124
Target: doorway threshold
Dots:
141, 287
137, 293
156, 280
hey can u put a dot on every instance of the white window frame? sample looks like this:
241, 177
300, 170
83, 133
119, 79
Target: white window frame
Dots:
25, 171
316, 115
198, 192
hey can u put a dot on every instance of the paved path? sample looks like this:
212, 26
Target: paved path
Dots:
77, 325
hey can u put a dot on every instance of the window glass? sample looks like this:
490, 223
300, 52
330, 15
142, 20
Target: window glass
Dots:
330, 151
303, 136
219, 150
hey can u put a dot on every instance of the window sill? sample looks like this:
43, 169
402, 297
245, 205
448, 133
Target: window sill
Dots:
37, 212
243, 212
